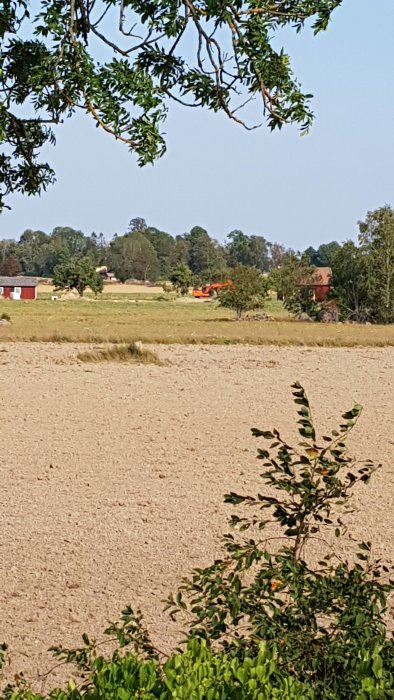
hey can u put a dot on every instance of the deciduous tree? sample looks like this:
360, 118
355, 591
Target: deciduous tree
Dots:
247, 291
35, 253
205, 255
248, 250
279, 254
323, 256
294, 281
377, 243
122, 63
238, 248
350, 282
77, 274
137, 224
180, 253
164, 245
10, 266
181, 278
133, 256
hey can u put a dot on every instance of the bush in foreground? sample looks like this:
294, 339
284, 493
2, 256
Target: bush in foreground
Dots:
321, 614
200, 674
270, 619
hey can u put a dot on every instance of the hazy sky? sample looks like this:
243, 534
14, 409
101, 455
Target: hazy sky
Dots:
297, 190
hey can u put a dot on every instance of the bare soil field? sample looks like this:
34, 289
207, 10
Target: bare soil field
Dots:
113, 288
112, 476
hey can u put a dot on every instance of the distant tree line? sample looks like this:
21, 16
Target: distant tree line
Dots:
143, 252
38, 253
362, 273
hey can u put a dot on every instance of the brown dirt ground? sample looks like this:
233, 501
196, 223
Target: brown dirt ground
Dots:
112, 476
114, 288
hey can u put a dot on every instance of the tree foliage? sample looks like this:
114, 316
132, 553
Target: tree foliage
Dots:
279, 254
122, 63
39, 253
377, 244
319, 615
137, 224
164, 245
349, 279
180, 254
247, 291
204, 254
294, 283
133, 256
248, 250
77, 274
323, 256
181, 278
10, 266
198, 673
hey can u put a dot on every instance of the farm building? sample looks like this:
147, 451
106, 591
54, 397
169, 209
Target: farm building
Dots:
18, 287
106, 276
322, 283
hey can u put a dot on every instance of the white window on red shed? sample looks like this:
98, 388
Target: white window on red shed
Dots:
17, 290
1, 290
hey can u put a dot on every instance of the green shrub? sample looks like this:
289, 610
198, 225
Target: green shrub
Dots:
181, 279
322, 617
200, 674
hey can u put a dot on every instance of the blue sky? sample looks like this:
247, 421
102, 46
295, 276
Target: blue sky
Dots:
297, 190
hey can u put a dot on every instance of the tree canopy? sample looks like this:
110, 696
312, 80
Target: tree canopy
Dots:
349, 278
323, 256
247, 291
248, 250
133, 256
122, 62
377, 244
77, 274
294, 282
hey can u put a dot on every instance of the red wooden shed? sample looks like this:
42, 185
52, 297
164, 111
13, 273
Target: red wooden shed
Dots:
322, 283
18, 287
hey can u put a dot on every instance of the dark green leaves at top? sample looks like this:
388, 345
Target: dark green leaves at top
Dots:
306, 429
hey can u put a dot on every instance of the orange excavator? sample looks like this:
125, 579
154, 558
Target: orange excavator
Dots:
209, 291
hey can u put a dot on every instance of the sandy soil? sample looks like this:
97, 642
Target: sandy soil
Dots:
112, 476
114, 288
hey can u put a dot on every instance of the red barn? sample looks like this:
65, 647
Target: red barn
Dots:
18, 287
322, 284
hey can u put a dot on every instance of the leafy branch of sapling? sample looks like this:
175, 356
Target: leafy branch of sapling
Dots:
269, 587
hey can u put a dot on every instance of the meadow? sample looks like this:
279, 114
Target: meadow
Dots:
127, 312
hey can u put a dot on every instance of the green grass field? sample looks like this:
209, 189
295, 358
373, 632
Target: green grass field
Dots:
151, 318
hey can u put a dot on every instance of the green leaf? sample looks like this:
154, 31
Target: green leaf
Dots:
266, 434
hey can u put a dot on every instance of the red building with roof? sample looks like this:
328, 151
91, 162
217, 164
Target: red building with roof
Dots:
18, 288
322, 284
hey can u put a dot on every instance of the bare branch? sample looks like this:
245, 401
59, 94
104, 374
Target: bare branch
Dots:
105, 127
